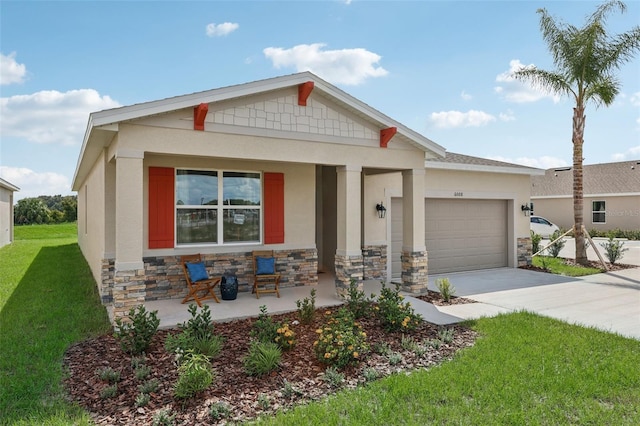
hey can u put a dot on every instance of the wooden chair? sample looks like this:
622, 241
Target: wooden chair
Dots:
264, 273
200, 285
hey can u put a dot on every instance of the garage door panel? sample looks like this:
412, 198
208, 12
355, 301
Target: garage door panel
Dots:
460, 235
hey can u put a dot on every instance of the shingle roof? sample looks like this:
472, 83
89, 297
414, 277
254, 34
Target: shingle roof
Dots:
452, 160
606, 178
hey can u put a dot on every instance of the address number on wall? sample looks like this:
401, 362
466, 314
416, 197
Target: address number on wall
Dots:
458, 194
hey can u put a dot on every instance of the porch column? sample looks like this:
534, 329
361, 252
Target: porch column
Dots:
128, 281
348, 260
414, 252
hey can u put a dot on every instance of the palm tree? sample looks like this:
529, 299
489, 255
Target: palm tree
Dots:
585, 59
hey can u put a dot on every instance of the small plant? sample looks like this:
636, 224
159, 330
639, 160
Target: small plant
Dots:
420, 350
370, 374
219, 410
142, 399
264, 401
264, 328
381, 348
108, 374
555, 248
333, 377
614, 249
138, 361
164, 418
109, 391
535, 242
142, 372
395, 314
194, 375
357, 302
434, 343
445, 288
394, 358
262, 358
197, 334
286, 338
307, 308
150, 386
341, 340
446, 335
408, 343
289, 391
135, 335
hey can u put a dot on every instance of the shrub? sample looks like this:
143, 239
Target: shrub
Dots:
555, 248
194, 375
150, 386
341, 340
445, 288
395, 314
142, 399
142, 372
264, 329
629, 234
135, 335
286, 338
164, 418
535, 242
614, 249
262, 358
357, 302
109, 391
197, 335
307, 308
108, 374
333, 377
219, 410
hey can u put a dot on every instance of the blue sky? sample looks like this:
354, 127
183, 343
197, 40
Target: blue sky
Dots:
439, 67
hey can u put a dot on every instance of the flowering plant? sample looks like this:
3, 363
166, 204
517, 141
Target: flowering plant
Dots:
286, 337
341, 340
395, 314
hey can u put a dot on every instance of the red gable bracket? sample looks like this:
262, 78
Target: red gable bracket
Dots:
304, 90
386, 135
199, 114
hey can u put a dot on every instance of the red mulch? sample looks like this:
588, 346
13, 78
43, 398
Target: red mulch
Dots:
232, 385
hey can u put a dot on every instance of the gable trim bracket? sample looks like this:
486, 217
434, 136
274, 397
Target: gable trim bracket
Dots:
199, 114
304, 90
386, 135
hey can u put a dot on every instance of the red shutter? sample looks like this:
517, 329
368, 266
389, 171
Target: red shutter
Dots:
161, 208
273, 208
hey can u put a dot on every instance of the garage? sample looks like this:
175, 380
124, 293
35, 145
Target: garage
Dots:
460, 234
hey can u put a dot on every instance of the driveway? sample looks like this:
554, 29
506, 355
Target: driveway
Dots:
609, 301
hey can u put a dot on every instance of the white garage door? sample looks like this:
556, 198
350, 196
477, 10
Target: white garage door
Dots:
460, 235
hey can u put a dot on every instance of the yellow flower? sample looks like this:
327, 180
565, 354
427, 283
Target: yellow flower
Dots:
350, 347
355, 354
315, 343
319, 331
327, 355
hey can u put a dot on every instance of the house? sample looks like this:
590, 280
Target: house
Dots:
611, 194
6, 211
292, 164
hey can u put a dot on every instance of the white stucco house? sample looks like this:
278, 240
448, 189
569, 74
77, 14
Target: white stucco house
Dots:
291, 164
6, 211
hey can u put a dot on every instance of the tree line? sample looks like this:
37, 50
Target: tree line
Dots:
46, 209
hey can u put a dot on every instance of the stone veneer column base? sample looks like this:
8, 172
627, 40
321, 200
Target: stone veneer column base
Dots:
414, 272
375, 262
347, 268
128, 291
524, 251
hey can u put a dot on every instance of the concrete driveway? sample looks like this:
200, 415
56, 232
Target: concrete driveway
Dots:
609, 301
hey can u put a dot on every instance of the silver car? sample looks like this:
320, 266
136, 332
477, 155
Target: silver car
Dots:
542, 226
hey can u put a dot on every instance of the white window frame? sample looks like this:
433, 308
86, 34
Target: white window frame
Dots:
603, 212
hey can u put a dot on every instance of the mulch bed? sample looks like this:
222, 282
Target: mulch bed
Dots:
242, 393
435, 298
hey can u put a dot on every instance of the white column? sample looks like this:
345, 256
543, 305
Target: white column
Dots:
349, 214
129, 210
413, 210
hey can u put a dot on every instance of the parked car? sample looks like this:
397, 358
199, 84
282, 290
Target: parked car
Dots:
542, 226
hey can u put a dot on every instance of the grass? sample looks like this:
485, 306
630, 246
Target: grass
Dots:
556, 265
525, 369
48, 300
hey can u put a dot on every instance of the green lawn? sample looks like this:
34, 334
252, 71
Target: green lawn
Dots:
557, 265
525, 369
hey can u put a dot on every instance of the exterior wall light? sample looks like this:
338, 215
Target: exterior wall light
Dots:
526, 209
382, 210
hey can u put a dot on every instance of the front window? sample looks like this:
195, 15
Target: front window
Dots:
598, 213
198, 210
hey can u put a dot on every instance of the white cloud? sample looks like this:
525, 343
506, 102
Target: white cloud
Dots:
34, 184
11, 71
516, 91
226, 28
345, 66
452, 119
507, 116
51, 116
544, 162
635, 99
465, 96
632, 153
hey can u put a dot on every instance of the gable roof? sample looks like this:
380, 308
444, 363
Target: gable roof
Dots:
454, 161
598, 179
107, 120
11, 187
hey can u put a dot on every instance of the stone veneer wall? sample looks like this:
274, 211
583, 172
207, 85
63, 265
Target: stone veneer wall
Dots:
414, 271
162, 276
375, 262
525, 251
347, 268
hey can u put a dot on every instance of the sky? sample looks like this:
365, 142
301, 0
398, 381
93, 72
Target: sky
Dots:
441, 68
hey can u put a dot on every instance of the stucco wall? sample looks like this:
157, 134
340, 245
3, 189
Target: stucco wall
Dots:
6, 216
623, 212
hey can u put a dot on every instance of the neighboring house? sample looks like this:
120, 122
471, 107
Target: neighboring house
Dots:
291, 164
6, 211
611, 196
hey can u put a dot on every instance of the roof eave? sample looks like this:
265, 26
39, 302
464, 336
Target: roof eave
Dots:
481, 168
